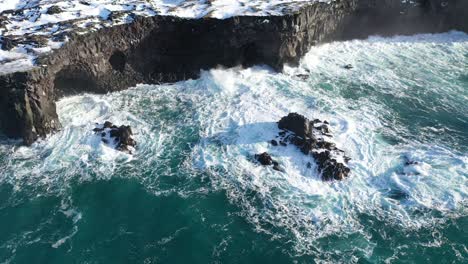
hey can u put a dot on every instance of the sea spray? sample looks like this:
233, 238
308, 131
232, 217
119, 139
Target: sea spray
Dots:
400, 113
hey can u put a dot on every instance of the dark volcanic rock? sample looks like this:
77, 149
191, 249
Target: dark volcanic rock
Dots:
408, 161
297, 124
125, 136
330, 168
411, 167
8, 43
121, 136
54, 10
36, 41
168, 49
264, 159
303, 76
3, 21
311, 138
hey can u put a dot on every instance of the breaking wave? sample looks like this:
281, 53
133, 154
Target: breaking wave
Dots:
400, 113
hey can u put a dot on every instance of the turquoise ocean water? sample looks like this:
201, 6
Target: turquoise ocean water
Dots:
191, 193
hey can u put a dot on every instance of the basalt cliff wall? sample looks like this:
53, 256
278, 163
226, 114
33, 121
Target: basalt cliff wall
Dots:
168, 49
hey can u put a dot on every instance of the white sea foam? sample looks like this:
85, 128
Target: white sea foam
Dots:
232, 113
74, 215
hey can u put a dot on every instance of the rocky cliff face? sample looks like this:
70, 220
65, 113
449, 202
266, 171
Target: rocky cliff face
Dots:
168, 49
389, 17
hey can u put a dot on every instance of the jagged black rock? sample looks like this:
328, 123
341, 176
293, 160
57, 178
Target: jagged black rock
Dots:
313, 138
168, 49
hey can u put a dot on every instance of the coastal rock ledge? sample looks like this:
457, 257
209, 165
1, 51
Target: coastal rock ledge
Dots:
155, 49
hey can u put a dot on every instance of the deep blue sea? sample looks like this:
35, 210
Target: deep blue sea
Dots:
191, 193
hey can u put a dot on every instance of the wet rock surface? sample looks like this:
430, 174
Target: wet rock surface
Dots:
103, 57
413, 167
54, 10
313, 138
266, 160
7, 43
118, 136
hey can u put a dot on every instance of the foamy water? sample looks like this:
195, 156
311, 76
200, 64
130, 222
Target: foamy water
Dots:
404, 100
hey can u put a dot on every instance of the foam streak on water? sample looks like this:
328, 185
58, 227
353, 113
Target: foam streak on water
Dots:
404, 100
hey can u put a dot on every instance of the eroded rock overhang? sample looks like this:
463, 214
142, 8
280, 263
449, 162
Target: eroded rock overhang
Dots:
155, 49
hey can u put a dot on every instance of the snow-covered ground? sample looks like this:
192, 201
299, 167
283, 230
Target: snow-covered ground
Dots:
32, 27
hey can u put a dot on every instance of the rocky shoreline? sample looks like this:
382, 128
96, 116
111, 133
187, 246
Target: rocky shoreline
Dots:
158, 49
312, 137
118, 137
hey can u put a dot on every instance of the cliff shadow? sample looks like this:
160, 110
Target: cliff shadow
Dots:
178, 50
74, 79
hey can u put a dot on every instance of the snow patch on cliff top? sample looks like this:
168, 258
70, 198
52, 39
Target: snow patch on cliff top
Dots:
183, 8
29, 28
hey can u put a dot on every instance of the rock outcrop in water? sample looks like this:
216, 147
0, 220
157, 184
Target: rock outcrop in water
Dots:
118, 136
168, 49
266, 160
312, 138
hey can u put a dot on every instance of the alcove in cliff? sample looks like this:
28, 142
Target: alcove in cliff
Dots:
73, 80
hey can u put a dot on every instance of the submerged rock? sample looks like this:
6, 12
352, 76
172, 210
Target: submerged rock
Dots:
409, 162
264, 159
303, 76
120, 136
311, 138
413, 167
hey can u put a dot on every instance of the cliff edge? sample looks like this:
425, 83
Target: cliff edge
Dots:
147, 47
